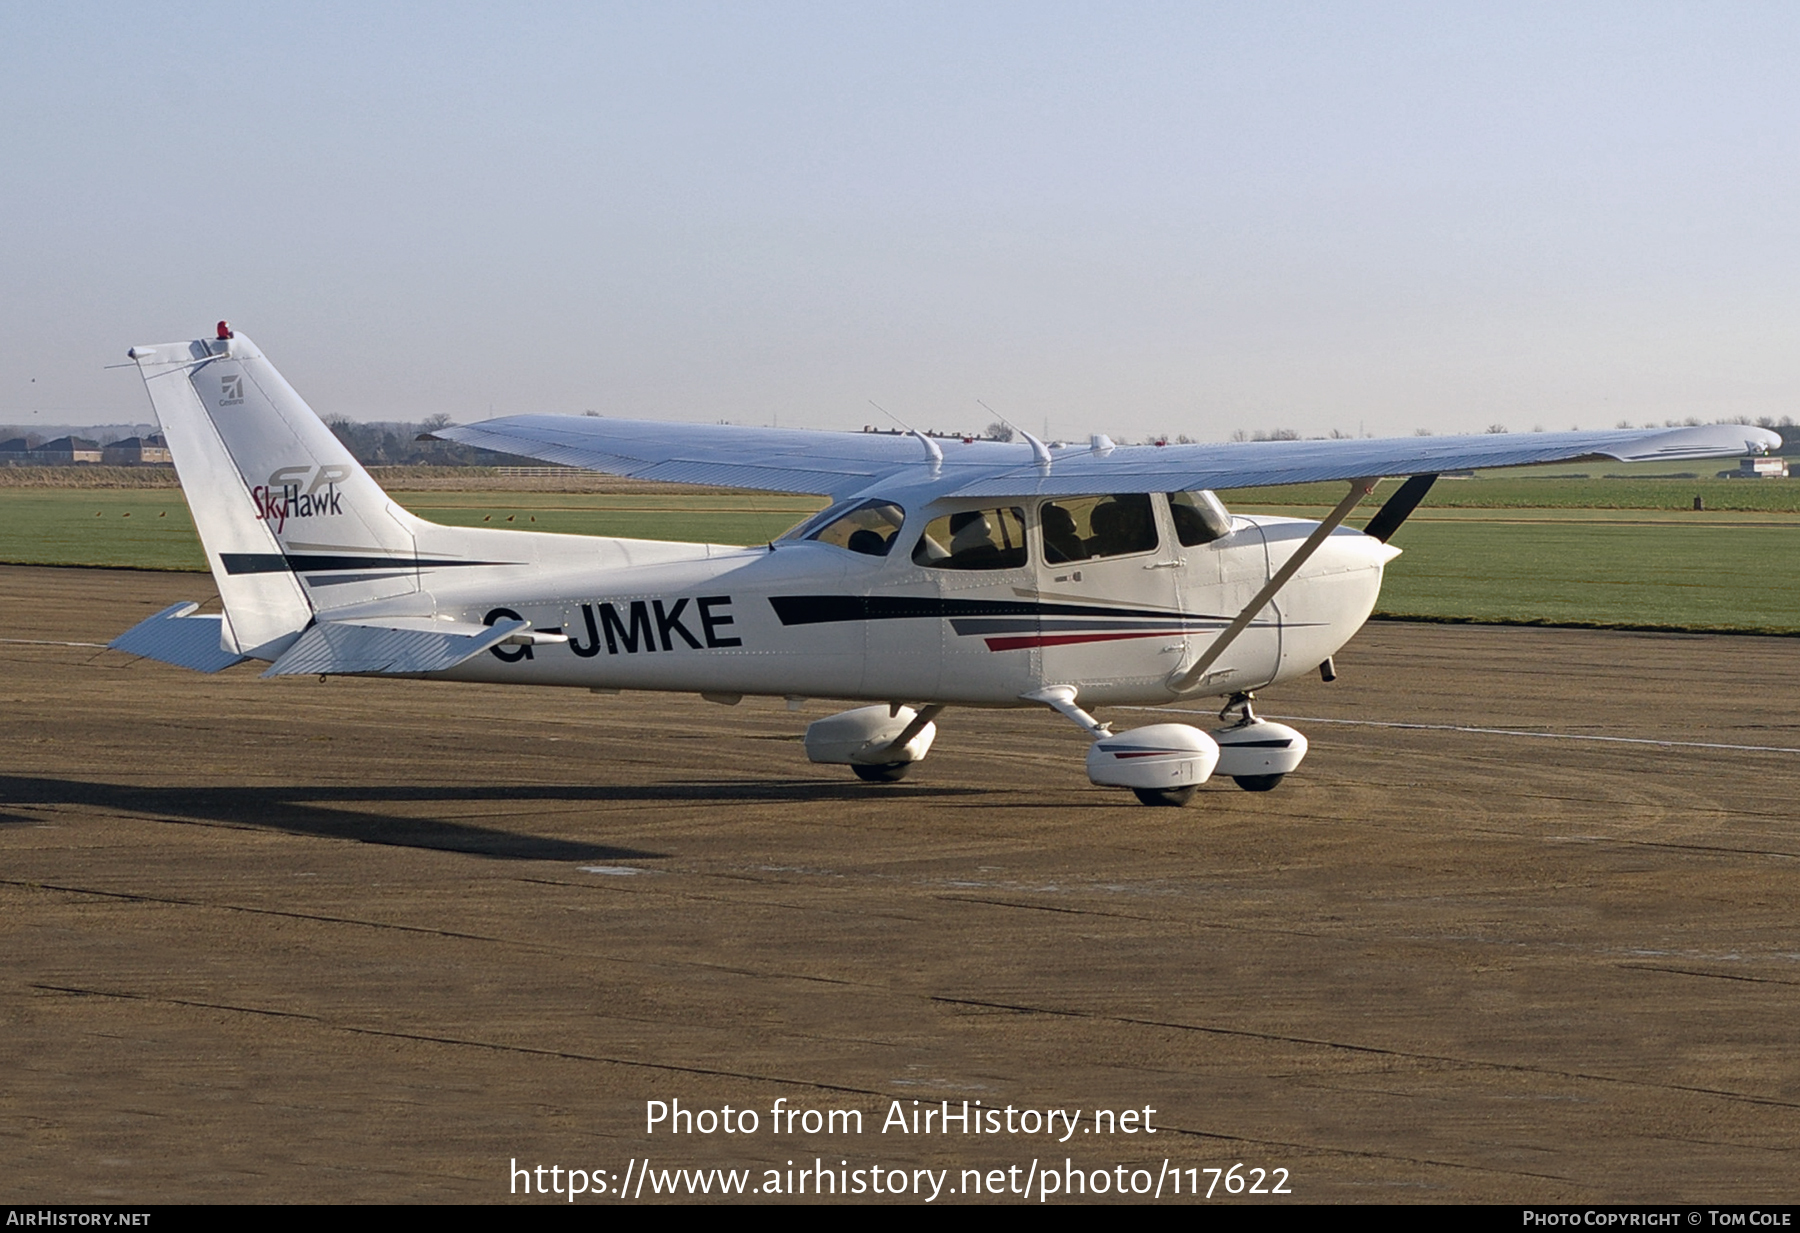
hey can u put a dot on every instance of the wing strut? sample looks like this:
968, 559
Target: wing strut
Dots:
1395, 509
1359, 489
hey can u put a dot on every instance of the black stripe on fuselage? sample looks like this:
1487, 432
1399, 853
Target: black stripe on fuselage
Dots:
315, 563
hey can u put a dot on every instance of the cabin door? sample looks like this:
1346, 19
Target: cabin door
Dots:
1109, 615
1224, 563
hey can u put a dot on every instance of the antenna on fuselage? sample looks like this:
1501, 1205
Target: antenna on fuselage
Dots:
933, 450
1040, 453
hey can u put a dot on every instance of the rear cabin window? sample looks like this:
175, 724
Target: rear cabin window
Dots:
869, 528
974, 539
1088, 528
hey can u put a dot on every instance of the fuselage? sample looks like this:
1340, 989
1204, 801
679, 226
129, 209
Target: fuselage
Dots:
923, 620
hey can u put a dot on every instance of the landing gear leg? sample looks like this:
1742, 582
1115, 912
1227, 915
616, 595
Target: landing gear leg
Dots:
1237, 712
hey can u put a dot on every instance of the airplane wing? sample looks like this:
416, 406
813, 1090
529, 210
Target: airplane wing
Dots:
840, 464
726, 455
1251, 464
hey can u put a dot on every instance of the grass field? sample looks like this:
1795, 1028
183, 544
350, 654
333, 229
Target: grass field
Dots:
1555, 490
1719, 574
1556, 548
1660, 566
151, 529
145, 528
739, 518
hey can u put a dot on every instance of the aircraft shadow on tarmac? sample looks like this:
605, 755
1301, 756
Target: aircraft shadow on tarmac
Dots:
313, 810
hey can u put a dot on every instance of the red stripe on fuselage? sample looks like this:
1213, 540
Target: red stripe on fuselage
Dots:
1031, 640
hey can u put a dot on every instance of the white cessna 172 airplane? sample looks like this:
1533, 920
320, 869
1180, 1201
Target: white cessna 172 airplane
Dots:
944, 573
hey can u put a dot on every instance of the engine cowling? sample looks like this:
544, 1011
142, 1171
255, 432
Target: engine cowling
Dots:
1161, 757
866, 737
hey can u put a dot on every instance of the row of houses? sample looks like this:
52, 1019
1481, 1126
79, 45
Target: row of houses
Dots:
68, 451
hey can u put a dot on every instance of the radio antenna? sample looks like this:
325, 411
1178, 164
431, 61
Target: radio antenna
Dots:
933, 450
1040, 453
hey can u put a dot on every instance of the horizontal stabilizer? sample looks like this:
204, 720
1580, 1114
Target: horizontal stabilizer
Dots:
398, 646
180, 639
173, 636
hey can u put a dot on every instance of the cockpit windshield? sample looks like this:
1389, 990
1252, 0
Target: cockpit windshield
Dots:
867, 528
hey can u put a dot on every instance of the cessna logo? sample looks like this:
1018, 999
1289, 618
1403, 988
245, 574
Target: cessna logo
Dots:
231, 390
299, 492
643, 626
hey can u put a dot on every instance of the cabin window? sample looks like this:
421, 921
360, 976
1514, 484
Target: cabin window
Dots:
974, 539
868, 528
1199, 516
1087, 528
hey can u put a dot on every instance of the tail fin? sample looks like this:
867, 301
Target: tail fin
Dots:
290, 520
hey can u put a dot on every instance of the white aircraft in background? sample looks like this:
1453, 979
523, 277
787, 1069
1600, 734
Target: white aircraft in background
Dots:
943, 573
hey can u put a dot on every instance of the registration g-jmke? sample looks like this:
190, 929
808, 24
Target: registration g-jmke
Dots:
944, 573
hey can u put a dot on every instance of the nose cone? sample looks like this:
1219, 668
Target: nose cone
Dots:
1352, 550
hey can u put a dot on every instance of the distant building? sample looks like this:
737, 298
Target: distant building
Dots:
1761, 466
136, 451
62, 452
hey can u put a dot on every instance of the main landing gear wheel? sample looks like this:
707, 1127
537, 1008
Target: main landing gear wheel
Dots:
1256, 753
890, 772
1175, 797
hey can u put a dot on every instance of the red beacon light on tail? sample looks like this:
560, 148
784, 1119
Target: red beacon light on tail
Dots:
225, 331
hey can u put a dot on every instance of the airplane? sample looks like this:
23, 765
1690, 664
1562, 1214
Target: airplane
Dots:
942, 573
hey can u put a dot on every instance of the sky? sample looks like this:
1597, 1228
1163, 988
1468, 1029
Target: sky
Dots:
1129, 218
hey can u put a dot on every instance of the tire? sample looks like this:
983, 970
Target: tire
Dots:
1175, 797
1257, 783
889, 772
